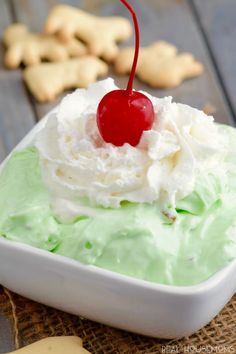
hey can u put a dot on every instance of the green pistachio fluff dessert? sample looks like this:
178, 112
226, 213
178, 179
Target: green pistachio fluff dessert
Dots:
163, 211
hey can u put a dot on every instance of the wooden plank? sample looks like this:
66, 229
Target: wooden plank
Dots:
217, 19
5, 19
171, 20
6, 333
16, 114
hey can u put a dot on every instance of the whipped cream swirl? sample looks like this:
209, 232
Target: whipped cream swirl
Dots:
81, 169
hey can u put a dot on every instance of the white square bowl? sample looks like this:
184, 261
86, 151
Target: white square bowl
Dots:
111, 298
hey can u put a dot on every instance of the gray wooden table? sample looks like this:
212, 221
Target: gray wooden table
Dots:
207, 28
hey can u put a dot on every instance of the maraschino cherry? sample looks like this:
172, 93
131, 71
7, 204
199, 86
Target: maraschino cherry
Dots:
123, 115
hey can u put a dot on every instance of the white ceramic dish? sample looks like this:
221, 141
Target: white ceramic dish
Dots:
110, 298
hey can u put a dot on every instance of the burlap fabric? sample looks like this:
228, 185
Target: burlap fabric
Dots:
32, 321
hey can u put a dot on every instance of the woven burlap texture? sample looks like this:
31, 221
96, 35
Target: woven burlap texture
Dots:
32, 321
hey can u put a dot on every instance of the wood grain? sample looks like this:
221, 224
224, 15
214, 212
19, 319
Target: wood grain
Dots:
217, 19
171, 20
5, 20
16, 114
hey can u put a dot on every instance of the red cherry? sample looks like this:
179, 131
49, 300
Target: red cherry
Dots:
123, 115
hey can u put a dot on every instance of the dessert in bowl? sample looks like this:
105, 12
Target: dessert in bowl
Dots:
150, 228
162, 211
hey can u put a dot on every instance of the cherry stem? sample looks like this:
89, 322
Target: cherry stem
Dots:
137, 45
